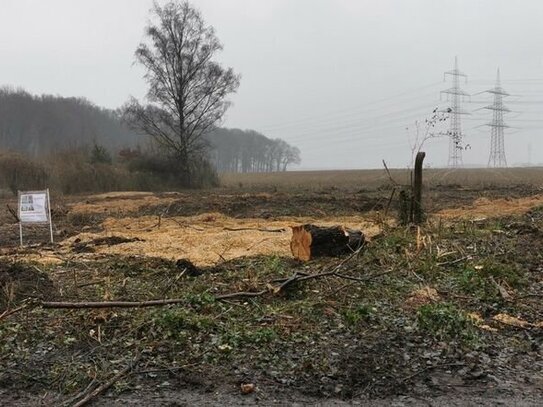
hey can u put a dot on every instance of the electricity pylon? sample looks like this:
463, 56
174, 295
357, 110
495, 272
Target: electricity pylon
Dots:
455, 95
497, 146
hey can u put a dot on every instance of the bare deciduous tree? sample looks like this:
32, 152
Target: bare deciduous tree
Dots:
187, 88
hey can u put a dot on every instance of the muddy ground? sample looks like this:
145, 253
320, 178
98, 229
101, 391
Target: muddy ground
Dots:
448, 314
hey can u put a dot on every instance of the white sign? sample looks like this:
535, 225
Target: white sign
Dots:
33, 207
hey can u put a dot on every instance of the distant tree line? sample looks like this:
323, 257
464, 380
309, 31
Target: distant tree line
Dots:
39, 125
74, 146
234, 150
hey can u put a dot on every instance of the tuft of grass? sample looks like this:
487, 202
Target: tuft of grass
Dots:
239, 338
445, 321
176, 322
274, 265
360, 313
477, 279
199, 301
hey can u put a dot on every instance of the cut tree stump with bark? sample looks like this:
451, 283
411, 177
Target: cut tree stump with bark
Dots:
310, 241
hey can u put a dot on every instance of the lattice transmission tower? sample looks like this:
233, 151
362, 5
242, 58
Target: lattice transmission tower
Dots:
455, 95
497, 125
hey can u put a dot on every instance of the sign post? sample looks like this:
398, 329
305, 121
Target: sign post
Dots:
34, 208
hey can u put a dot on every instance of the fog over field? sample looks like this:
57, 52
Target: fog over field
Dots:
340, 79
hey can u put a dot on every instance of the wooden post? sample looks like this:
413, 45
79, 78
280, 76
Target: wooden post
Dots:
417, 189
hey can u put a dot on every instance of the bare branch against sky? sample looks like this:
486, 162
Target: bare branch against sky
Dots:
340, 79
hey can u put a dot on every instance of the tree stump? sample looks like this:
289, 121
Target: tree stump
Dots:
310, 241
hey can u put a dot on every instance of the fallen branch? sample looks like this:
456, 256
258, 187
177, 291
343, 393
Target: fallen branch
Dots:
82, 393
139, 304
257, 229
297, 276
110, 304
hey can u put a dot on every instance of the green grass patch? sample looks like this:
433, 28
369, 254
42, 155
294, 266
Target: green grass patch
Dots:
445, 321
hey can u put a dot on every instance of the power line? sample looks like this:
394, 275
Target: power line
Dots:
334, 125
342, 112
391, 117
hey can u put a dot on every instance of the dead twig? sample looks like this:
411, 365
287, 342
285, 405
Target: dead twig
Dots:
389, 202
186, 225
450, 263
280, 280
389, 175
175, 280
100, 389
80, 394
13, 213
91, 283
8, 312
503, 292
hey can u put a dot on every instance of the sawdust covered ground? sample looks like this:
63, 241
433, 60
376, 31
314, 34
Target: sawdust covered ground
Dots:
488, 208
208, 238
120, 202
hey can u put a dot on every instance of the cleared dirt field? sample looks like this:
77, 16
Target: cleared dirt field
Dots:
448, 313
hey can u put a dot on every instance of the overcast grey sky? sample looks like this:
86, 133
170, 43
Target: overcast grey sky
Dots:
341, 79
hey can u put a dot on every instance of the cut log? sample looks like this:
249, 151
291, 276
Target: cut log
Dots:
310, 241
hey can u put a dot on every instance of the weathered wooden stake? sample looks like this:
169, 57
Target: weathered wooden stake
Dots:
418, 214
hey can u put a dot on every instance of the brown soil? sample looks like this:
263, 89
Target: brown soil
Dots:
20, 281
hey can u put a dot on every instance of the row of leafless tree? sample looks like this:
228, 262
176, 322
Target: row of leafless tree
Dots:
234, 150
39, 125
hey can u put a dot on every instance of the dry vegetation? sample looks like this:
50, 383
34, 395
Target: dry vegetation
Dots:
450, 309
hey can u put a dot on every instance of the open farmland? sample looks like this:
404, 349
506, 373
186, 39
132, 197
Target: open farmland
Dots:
448, 312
